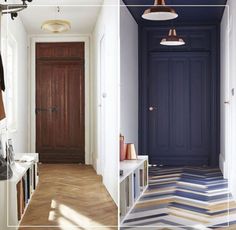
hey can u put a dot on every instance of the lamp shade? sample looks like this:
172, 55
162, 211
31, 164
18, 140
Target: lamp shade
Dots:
159, 12
172, 39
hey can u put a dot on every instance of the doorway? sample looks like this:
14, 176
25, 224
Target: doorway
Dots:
60, 106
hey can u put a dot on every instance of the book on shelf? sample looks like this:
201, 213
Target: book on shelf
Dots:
34, 178
123, 202
25, 182
136, 184
19, 188
28, 183
145, 173
141, 178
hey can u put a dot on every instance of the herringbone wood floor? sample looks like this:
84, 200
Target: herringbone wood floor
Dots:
67, 196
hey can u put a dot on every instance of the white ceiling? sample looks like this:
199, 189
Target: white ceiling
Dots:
81, 13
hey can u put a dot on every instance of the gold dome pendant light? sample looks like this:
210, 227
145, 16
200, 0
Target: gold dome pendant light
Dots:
172, 39
56, 25
159, 12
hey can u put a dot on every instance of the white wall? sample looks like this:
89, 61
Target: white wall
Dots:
228, 83
106, 101
17, 30
129, 76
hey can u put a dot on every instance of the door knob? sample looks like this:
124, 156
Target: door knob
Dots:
152, 108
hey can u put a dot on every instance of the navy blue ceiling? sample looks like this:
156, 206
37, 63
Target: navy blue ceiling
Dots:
206, 12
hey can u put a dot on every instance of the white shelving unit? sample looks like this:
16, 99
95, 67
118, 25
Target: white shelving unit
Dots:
133, 183
9, 197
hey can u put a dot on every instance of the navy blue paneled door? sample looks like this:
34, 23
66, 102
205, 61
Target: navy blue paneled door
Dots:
179, 96
179, 112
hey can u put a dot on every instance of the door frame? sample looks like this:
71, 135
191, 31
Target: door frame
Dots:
32, 40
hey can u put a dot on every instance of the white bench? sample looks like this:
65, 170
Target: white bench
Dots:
133, 183
26, 166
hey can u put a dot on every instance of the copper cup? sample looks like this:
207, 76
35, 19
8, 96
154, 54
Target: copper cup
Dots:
131, 152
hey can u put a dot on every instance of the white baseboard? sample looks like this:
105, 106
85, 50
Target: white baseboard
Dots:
95, 163
233, 193
221, 162
228, 174
224, 170
98, 166
223, 166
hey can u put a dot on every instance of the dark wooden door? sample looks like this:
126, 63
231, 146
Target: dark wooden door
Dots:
60, 127
179, 110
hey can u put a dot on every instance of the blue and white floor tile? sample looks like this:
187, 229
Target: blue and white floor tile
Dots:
184, 198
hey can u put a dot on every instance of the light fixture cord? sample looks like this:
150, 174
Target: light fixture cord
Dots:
172, 24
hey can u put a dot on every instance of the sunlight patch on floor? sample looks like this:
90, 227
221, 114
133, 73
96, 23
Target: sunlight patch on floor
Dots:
64, 224
53, 204
52, 216
75, 217
200, 227
66, 217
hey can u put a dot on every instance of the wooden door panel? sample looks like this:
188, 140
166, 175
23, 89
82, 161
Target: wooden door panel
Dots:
63, 50
179, 89
60, 101
179, 105
60, 92
200, 105
75, 120
44, 124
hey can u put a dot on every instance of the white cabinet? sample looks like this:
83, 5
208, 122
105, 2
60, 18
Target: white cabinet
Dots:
133, 182
16, 192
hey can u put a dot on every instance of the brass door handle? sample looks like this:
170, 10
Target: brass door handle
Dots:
152, 108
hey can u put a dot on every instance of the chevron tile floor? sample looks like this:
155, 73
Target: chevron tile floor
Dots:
184, 198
